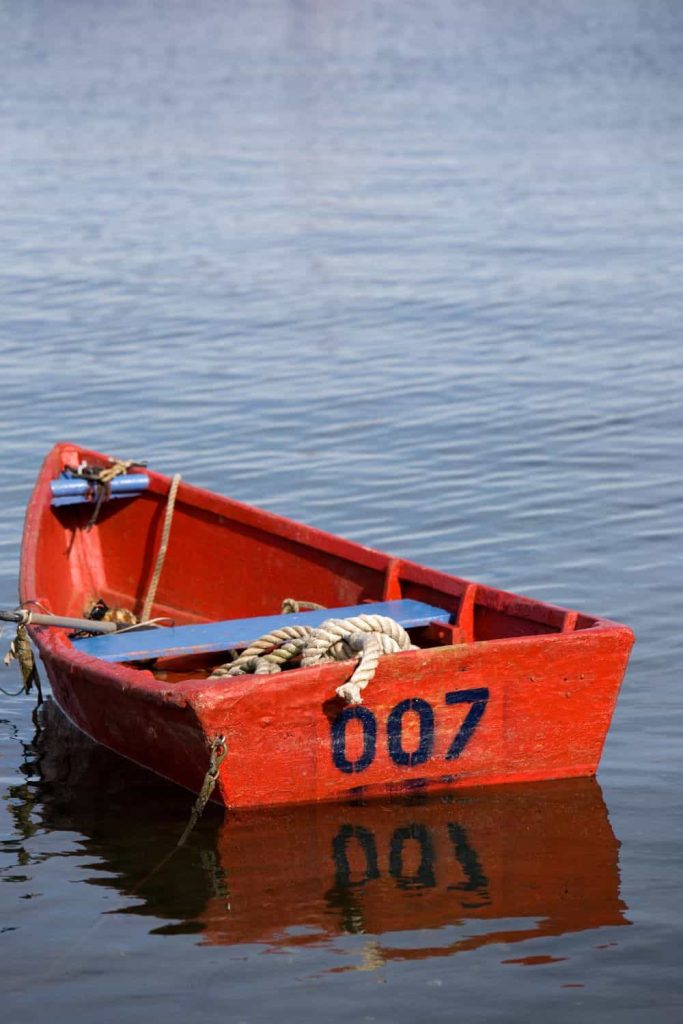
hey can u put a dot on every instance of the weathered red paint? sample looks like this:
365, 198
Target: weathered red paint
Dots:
552, 674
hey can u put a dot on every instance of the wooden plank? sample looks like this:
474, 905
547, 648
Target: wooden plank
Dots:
179, 641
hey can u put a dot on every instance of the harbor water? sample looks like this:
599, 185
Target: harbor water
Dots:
412, 273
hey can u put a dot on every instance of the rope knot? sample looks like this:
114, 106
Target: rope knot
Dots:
364, 638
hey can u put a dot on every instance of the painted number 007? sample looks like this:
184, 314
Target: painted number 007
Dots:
477, 699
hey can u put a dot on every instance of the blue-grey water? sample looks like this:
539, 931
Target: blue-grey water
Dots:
412, 272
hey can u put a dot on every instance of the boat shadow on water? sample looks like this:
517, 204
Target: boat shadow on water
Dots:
426, 876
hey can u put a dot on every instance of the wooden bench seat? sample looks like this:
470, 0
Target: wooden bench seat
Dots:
207, 637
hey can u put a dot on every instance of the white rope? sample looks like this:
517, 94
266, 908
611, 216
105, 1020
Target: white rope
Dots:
364, 638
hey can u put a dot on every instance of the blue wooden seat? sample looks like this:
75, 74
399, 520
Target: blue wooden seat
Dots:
207, 637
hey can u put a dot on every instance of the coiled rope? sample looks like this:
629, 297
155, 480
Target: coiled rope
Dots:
363, 637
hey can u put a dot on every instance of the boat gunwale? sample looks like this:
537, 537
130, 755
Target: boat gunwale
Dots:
55, 643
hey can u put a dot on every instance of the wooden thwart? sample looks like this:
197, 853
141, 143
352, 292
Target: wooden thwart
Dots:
208, 637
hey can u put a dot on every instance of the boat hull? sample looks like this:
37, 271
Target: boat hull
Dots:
457, 716
513, 691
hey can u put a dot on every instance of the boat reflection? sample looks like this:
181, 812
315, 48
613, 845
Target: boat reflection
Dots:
424, 876
531, 861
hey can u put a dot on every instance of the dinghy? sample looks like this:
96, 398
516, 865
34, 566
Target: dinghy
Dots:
374, 675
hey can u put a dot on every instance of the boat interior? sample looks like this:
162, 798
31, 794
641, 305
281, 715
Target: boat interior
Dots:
226, 560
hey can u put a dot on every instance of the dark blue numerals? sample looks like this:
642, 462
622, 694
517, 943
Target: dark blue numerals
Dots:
369, 725
478, 699
395, 732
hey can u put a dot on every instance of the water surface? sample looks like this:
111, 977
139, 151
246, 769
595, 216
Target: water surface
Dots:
412, 273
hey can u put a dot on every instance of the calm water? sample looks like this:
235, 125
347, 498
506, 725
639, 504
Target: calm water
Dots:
410, 272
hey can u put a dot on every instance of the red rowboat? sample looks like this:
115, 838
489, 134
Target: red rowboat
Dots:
499, 688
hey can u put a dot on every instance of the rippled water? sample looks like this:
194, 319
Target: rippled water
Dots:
412, 273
